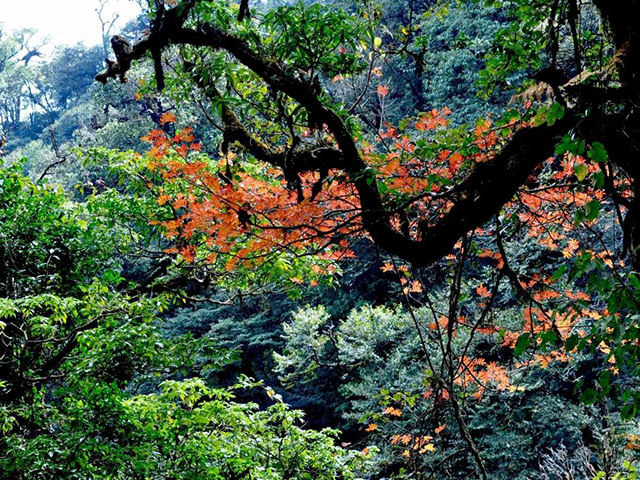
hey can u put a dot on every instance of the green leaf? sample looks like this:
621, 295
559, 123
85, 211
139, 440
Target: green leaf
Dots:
571, 145
548, 337
558, 273
571, 342
599, 180
605, 378
541, 116
593, 209
555, 113
627, 412
522, 344
589, 396
597, 152
564, 145
581, 171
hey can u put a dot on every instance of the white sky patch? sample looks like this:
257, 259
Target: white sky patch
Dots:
65, 22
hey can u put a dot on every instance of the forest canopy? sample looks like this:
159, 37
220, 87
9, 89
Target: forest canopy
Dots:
324, 239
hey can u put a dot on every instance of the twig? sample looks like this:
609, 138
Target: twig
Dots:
61, 158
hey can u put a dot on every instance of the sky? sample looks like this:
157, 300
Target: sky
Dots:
66, 22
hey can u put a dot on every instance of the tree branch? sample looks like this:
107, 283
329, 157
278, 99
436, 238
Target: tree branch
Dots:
489, 186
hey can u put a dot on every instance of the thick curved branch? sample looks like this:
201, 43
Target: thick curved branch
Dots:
493, 184
481, 194
621, 17
166, 21
304, 158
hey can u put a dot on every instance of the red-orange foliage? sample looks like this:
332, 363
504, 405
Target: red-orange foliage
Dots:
249, 216
255, 214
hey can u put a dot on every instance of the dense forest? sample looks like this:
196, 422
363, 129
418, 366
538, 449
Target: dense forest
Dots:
332, 239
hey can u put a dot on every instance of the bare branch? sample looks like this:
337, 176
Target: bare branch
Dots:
61, 157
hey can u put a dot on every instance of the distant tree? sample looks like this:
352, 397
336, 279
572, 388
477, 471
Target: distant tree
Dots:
106, 25
69, 73
15, 75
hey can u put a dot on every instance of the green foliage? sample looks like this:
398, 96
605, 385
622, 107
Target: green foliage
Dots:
382, 366
185, 430
94, 384
518, 47
313, 38
70, 73
14, 76
304, 332
90, 388
48, 244
456, 41
629, 473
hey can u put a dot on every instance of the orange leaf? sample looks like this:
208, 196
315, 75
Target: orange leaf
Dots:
371, 427
168, 118
383, 91
483, 291
395, 412
455, 161
162, 199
